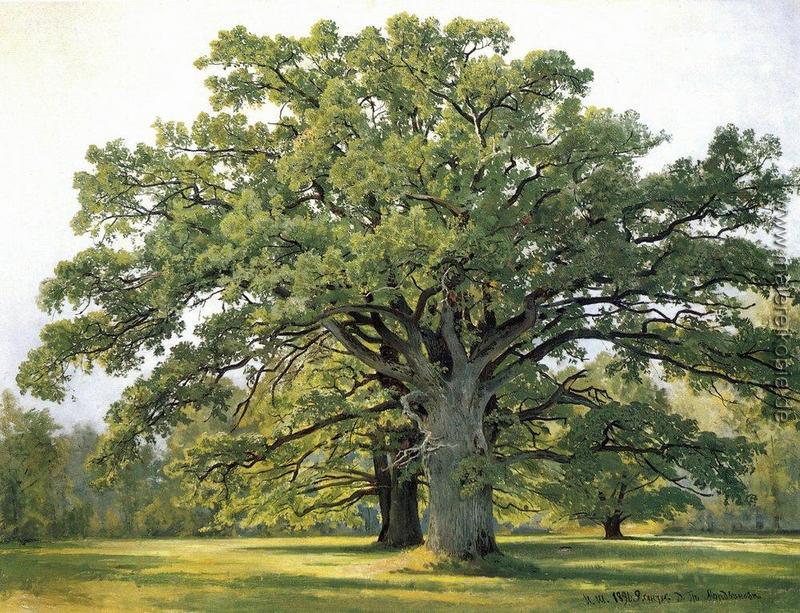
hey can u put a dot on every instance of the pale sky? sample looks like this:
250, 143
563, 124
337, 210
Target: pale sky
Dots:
75, 74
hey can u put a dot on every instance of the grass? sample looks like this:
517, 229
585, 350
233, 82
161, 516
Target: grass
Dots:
537, 573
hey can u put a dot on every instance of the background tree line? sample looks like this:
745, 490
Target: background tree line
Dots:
47, 491
50, 488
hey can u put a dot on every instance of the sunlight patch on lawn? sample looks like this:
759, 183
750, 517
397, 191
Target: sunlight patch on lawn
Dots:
551, 573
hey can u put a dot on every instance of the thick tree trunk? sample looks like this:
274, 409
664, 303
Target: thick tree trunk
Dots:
398, 502
612, 527
461, 522
383, 480
404, 529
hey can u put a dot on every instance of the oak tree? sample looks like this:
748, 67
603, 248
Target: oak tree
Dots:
310, 452
640, 462
454, 219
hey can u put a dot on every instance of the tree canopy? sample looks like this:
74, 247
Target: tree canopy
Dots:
640, 462
313, 450
453, 219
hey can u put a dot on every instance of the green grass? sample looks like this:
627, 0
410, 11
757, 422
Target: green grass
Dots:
351, 574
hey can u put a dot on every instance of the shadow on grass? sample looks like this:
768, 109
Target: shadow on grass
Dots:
618, 563
732, 538
38, 572
306, 548
285, 592
638, 548
534, 567
46, 570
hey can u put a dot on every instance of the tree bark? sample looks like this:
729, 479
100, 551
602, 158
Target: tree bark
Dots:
612, 527
461, 523
404, 529
398, 503
383, 480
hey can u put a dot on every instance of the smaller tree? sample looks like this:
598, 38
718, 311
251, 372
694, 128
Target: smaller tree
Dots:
640, 462
309, 453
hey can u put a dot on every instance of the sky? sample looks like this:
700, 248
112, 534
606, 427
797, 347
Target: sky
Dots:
75, 74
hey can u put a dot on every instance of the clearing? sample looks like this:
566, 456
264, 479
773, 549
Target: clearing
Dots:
538, 573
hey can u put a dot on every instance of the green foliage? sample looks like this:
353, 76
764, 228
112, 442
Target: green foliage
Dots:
451, 219
775, 477
637, 461
29, 462
47, 491
300, 457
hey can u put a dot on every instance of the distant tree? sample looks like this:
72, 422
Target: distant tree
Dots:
30, 458
104, 511
165, 513
775, 479
638, 462
142, 501
84, 504
452, 218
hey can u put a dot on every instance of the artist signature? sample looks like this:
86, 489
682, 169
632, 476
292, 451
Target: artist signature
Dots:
636, 596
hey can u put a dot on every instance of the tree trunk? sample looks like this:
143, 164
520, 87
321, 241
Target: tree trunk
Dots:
461, 522
404, 529
383, 480
397, 499
612, 527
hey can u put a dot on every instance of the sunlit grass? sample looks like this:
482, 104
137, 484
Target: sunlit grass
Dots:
547, 573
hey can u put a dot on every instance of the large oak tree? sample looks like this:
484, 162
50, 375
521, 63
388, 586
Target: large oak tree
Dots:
454, 219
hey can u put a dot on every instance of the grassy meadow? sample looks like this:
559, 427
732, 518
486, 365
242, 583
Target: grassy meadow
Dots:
537, 573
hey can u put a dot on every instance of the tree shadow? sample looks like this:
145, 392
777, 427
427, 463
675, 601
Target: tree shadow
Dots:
619, 563
38, 572
502, 566
279, 591
306, 548
530, 566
